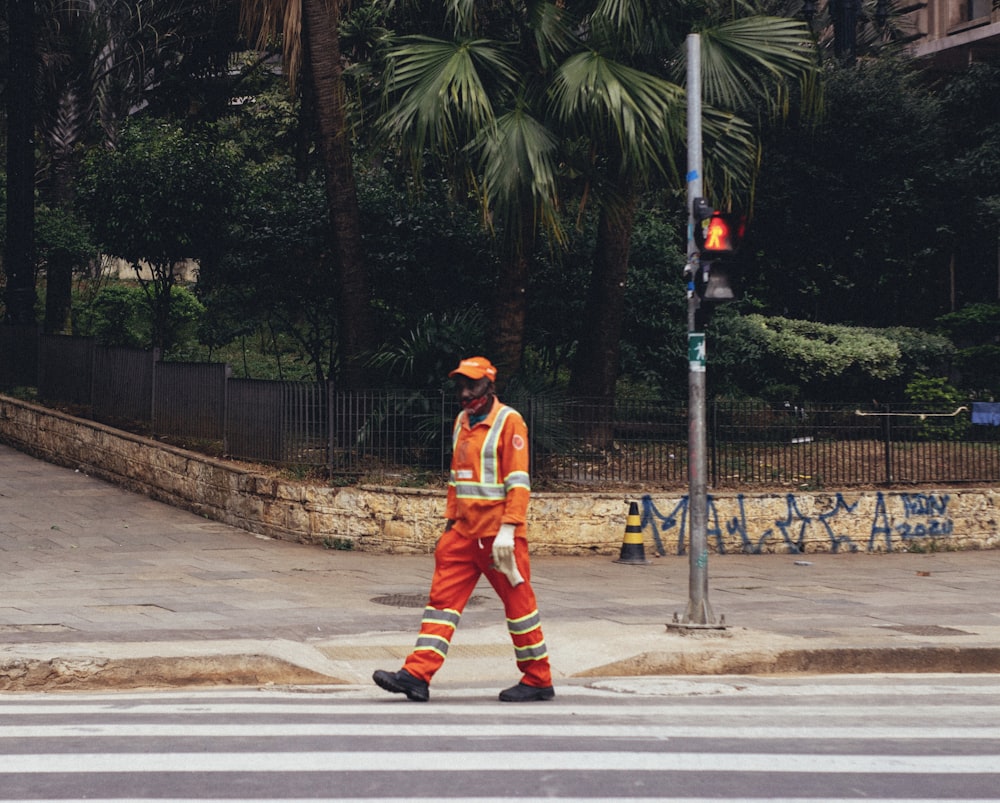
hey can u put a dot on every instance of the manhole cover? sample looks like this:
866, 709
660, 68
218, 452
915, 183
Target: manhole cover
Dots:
929, 630
415, 600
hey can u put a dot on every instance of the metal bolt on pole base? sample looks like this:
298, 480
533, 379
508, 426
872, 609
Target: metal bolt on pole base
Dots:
678, 625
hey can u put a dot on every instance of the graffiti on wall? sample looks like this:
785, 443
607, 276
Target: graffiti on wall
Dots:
918, 516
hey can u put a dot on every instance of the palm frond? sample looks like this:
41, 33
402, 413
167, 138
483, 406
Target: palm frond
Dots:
634, 113
731, 153
555, 30
461, 14
262, 21
754, 57
520, 156
444, 90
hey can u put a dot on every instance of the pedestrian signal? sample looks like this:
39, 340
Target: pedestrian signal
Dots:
715, 232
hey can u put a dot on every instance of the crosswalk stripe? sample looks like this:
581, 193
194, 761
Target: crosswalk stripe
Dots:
551, 761
397, 706
431, 730
597, 687
549, 799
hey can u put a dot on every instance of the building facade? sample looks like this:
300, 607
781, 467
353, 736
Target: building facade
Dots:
951, 34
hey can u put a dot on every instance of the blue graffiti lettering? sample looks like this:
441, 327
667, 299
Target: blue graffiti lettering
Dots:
650, 516
880, 525
932, 507
794, 518
925, 504
713, 529
926, 515
837, 540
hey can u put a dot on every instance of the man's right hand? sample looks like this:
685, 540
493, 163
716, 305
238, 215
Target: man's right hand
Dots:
503, 555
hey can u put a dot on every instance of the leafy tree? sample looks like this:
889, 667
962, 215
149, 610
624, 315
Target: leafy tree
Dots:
820, 360
101, 60
466, 91
919, 352
825, 350
976, 331
852, 213
276, 273
972, 168
63, 239
782, 359
119, 314
427, 253
162, 197
934, 394
654, 339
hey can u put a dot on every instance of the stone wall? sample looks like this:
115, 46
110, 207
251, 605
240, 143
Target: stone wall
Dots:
397, 520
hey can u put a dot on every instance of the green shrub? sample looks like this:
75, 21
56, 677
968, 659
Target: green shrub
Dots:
936, 395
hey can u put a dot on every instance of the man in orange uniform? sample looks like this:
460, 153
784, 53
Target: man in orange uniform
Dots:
488, 493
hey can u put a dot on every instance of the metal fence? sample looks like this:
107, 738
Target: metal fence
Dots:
389, 435
277, 422
189, 399
18, 356
123, 384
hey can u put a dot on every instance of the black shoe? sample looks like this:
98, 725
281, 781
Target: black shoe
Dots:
402, 682
523, 693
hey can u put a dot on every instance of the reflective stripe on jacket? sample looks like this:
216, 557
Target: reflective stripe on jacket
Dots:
489, 483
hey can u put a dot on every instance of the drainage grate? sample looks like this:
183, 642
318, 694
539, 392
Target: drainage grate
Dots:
929, 630
415, 600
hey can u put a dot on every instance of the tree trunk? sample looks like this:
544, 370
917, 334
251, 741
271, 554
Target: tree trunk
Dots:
510, 312
595, 369
59, 263
356, 330
19, 253
58, 293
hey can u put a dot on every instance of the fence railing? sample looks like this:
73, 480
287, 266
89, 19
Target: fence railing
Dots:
386, 435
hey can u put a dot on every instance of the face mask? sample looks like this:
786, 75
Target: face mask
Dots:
477, 405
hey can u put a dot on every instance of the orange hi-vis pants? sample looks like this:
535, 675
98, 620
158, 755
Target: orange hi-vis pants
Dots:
458, 564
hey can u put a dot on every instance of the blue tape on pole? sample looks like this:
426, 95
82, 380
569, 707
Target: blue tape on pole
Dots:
692, 175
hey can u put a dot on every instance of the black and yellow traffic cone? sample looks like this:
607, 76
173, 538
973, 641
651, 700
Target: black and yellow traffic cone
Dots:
632, 549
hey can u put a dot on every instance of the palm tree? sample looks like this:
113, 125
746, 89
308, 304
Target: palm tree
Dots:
478, 103
745, 61
513, 84
309, 31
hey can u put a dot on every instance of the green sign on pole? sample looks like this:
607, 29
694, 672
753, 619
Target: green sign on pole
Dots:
696, 351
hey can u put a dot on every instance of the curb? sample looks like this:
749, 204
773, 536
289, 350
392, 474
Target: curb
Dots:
89, 674
258, 669
824, 661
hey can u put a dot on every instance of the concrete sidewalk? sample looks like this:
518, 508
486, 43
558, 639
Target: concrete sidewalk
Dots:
103, 588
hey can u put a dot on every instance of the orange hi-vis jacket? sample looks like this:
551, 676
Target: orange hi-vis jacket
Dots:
489, 483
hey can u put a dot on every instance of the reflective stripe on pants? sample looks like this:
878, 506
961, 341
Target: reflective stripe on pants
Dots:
458, 564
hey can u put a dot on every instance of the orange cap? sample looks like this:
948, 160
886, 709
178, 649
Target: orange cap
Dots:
476, 368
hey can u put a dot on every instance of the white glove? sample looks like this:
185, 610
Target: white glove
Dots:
503, 555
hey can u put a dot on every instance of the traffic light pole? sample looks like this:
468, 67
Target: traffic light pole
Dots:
699, 612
